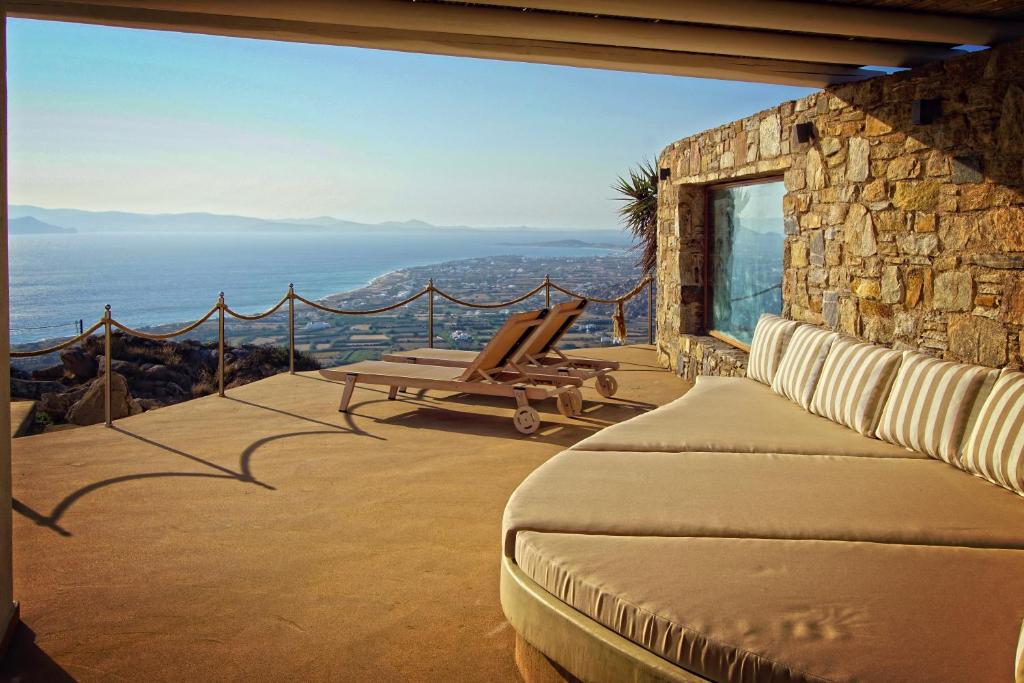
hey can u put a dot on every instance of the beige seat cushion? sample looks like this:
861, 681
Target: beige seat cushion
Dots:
774, 610
771, 336
891, 500
854, 384
930, 404
734, 414
995, 447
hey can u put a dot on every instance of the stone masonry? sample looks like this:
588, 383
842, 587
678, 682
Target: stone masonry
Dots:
908, 235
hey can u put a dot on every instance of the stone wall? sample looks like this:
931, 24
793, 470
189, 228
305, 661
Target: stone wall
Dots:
908, 235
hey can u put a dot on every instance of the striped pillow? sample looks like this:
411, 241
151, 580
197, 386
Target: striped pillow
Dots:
770, 338
930, 405
995, 447
801, 364
855, 383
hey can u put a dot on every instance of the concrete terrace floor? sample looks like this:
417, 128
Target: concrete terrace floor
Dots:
265, 536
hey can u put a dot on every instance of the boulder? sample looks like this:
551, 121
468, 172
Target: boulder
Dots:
50, 374
90, 408
78, 364
26, 388
57, 404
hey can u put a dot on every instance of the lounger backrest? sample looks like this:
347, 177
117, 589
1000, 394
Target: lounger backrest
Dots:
556, 323
505, 342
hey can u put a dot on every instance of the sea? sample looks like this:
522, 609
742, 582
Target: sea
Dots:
161, 277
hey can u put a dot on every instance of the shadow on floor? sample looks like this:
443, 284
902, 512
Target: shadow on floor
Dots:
25, 662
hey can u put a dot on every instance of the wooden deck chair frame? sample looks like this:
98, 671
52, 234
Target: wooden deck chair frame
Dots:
486, 375
537, 355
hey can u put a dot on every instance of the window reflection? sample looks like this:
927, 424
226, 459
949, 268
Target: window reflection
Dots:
746, 256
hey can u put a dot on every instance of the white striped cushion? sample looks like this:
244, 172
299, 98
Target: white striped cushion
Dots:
855, 383
995, 447
930, 405
801, 364
770, 338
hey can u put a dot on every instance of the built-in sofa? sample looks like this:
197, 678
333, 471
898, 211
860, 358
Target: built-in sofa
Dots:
846, 512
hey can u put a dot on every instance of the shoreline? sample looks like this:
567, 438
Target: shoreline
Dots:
372, 289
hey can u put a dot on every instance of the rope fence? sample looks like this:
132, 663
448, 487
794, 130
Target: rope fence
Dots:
220, 309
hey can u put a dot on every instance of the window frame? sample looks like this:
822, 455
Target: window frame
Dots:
709, 228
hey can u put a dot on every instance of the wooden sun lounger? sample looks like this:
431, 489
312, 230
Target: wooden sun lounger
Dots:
486, 375
538, 354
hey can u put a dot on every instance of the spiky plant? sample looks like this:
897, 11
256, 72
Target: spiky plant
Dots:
639, 213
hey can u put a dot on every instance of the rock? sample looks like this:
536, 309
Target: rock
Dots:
967, 169
860, 232
770, 134
1015, 302
1010, 131
857, 160
90, 408
57, 404
867, 289
1005, 228
902, 168
818, 248
814, 171
892, 285
925, 222
973, 339
918, 244
78, 364
51, 374
998, 261
953, 291
916, 195
26, 388
830, 308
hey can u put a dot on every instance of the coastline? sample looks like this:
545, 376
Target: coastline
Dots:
464, 277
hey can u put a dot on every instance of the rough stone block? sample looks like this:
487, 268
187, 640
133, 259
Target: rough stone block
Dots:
953, 291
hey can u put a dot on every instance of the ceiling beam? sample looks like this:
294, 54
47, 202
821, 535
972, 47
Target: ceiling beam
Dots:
806, 17
557, 27
544, 52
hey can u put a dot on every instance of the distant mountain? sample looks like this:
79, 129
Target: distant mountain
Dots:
27, 225
123, 221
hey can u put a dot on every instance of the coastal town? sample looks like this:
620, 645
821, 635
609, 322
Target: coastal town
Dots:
333, 339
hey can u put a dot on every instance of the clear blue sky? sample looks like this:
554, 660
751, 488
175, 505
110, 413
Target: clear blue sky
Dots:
104, 118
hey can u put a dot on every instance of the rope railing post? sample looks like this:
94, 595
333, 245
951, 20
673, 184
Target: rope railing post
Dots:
430, 313
220, 343
547, 291
291, 328
650, 310
107, 345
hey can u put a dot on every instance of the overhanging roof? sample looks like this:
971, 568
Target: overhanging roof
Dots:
811, 43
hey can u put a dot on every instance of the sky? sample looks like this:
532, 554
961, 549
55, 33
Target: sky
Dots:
156, 122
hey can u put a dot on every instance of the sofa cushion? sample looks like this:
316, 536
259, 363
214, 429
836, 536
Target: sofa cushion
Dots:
741, 415
774, 610
854, 384
995, 447
931, 403
801, 364
771, 336
888, 500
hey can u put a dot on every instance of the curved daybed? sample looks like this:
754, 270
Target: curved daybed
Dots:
733, 535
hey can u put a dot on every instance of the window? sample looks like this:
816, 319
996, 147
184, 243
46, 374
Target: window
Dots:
745, 255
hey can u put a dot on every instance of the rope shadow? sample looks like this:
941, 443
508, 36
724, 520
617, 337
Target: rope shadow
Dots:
351, 426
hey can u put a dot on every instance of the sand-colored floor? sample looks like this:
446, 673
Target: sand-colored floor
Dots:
265, 536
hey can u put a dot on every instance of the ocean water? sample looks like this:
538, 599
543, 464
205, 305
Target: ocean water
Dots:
153, 278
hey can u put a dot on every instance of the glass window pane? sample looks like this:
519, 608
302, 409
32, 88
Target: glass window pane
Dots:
746, 256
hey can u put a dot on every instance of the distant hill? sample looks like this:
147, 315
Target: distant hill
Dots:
123, 221
27, 225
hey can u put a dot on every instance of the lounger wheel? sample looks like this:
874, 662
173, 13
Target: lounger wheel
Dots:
607, 386
526, 420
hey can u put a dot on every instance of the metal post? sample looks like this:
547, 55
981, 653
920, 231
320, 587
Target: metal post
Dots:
81, 326
547, 291
430, 313
291, 328
220, 344
650, 310
107, 365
